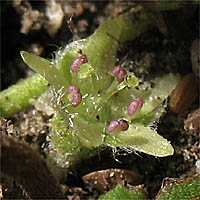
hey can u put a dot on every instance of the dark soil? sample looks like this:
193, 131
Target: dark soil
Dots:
150, 55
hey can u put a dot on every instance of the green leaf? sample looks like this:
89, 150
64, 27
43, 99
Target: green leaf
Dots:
45, 68
188, 188
153, 98
90, 134
67, 147
143, 139
122, 193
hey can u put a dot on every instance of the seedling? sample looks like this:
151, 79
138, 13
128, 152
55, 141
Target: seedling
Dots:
95, 102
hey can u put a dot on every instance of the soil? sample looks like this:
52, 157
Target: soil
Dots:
25, 26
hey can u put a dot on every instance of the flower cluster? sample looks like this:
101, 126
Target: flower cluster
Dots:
120, 73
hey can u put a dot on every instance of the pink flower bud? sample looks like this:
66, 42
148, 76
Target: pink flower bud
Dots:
124, 125
121, 75
113, 126
135, 106
115, 70
118, 125
73, 89
118, 72
78, 62
75, 95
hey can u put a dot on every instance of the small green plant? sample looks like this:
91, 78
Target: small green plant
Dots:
96, 103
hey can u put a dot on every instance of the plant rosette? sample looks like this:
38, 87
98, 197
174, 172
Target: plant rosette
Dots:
96, 103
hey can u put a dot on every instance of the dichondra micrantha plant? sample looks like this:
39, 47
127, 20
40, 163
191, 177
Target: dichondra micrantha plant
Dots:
95, 102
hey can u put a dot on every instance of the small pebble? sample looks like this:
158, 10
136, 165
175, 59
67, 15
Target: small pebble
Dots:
184, 95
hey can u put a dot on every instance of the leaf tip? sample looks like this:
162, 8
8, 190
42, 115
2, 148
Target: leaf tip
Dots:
24, 55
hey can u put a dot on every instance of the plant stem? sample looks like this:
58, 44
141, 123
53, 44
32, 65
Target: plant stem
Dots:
17, 97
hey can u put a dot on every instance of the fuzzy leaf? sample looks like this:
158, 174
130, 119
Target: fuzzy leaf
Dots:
45, 68
90, 134
143, 139
66, 148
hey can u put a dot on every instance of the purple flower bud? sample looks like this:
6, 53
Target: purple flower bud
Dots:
75, 95
115, 70
113, 126
118, 72
135, 106
118, 126
124, 125
121, 75
73, 89
78, 62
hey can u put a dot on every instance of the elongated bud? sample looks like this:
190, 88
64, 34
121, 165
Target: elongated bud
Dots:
118, 125
121, 75
118, 72
75, 95
135, 106
113, 126
78, 62
77, 98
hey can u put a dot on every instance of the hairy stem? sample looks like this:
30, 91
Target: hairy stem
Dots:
17, 97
